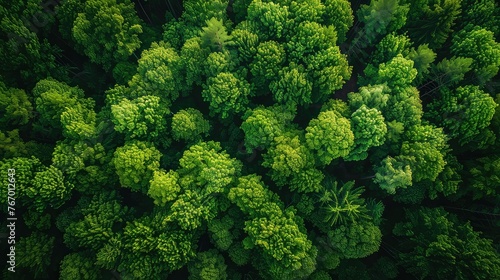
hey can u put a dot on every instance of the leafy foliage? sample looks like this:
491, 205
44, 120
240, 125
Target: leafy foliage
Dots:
250, 139
15, 106
208, 265
35, 253
343, 204
98, 21
479, 44
135, 163
356, 240
430, 22
434, 238
465, 112
330, 135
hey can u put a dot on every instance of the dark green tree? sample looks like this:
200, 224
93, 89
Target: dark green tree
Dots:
430, 22
79, 266
15, 106
34, 253
464, 113
208, 265
381, 17
106, 31
435, 244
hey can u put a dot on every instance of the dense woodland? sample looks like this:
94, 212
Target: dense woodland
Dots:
251, 139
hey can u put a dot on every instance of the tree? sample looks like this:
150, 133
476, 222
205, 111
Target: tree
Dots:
369, 131
479, 44
192, 55
380, 18
398, 73
393, 45
330, 136
84, 165
250, 195
164, 187
227, 94
189, 125
464, 113
107, 31
267, 63
309, 10
393, 173
329, 70
206, 165
24, 27
425, 143
484, 179
158, 72
53, 98
308, 180
218, 62
151, 248
11, 145
34, 253
435, 244
419, 152
405, 107
280, 234
423, 56
135, 163
292, 86
208, 265
449, 72
49, 189
141, 118
271, 19
214, 35
430, 22
192, 209
245, 41
339, 14
342, 205
197, 12
261, 125
79, 123
221, 232
99, 216
481, 13
356, 240
79, 266
37, 221
449, 180
390, 46
287, 157
280, 238
25, 170
375, 96
309, 37
15, 106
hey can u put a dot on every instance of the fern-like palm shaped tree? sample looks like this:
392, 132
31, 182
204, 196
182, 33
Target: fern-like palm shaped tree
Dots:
342, 204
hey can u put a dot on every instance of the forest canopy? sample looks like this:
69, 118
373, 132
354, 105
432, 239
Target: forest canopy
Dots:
250, 139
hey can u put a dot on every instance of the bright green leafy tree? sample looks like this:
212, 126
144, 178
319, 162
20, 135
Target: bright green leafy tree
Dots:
189, 125
135, 163
330, 136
